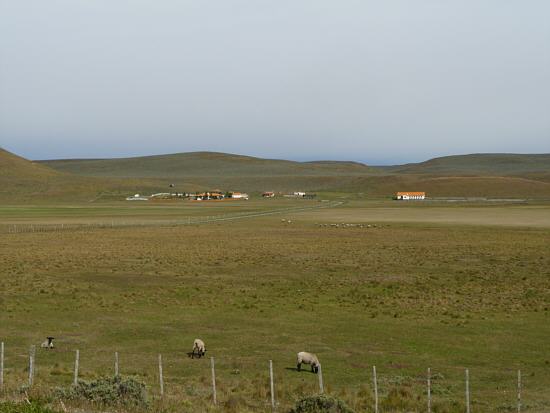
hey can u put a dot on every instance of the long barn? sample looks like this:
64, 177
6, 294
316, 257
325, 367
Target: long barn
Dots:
410, 195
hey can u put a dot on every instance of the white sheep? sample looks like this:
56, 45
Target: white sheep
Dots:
48, 343
198, 346
307, 358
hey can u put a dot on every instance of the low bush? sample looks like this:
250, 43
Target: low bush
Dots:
108, 391
321, 404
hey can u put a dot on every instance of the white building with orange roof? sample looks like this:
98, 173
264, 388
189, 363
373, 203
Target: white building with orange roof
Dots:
407, 196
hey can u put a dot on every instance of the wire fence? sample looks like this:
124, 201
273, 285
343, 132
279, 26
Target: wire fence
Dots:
25, 228
426, 378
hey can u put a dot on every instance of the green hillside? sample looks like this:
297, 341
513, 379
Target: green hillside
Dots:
16, 167
480, 164
214, 164
491, 175
24, 180
497, 176
199, 164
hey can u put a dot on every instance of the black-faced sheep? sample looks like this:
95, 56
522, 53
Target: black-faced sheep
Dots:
307, 358
198, 348
48, 343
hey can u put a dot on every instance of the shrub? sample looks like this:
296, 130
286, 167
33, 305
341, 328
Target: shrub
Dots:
109, 391
320, 404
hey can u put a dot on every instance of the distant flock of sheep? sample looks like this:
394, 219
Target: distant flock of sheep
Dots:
346, 225
199, 350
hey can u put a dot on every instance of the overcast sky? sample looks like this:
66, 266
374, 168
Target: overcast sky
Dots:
384, 81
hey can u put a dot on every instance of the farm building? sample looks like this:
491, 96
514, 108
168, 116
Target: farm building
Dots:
410, 195
207, 196
300, 194
137, 197
238, 195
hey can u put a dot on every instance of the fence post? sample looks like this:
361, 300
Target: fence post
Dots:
272, 385
429, 390
519, 391
213, 381
116, 363
1, 366
161, 378
467, 391
375, 389
31, 365
76, 362
320, 373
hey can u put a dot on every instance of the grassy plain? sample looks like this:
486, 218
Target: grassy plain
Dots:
135, 211
440, 286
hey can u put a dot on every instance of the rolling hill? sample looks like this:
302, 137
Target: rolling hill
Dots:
495, 164
16, 167
489, 175
27, 181
203, 164
486, 175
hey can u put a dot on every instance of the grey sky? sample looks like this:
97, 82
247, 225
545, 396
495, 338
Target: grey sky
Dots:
378, 81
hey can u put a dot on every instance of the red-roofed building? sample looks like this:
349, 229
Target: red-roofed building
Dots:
410, 195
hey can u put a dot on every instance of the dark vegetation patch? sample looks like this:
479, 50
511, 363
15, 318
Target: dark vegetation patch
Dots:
321, 404
108, 391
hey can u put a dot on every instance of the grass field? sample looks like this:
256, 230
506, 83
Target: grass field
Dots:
157, 211
441, 286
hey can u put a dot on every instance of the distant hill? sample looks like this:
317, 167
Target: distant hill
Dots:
19, 176
485, 175
16, 167
496, 164
203, 164
458, 186
24, 180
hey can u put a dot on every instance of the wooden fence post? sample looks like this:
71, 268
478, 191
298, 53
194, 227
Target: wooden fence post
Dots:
31, 365
320, 373
161, 378
375, 389
1, 366
214, 396
272, 385
519, 391
467, 391
116, 363
429, 390
76, 362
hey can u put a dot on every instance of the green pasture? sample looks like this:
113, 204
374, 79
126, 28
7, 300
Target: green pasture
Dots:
403, 296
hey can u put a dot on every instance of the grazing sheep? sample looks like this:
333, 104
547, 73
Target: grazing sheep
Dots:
48, 343
199, 348
307, 358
